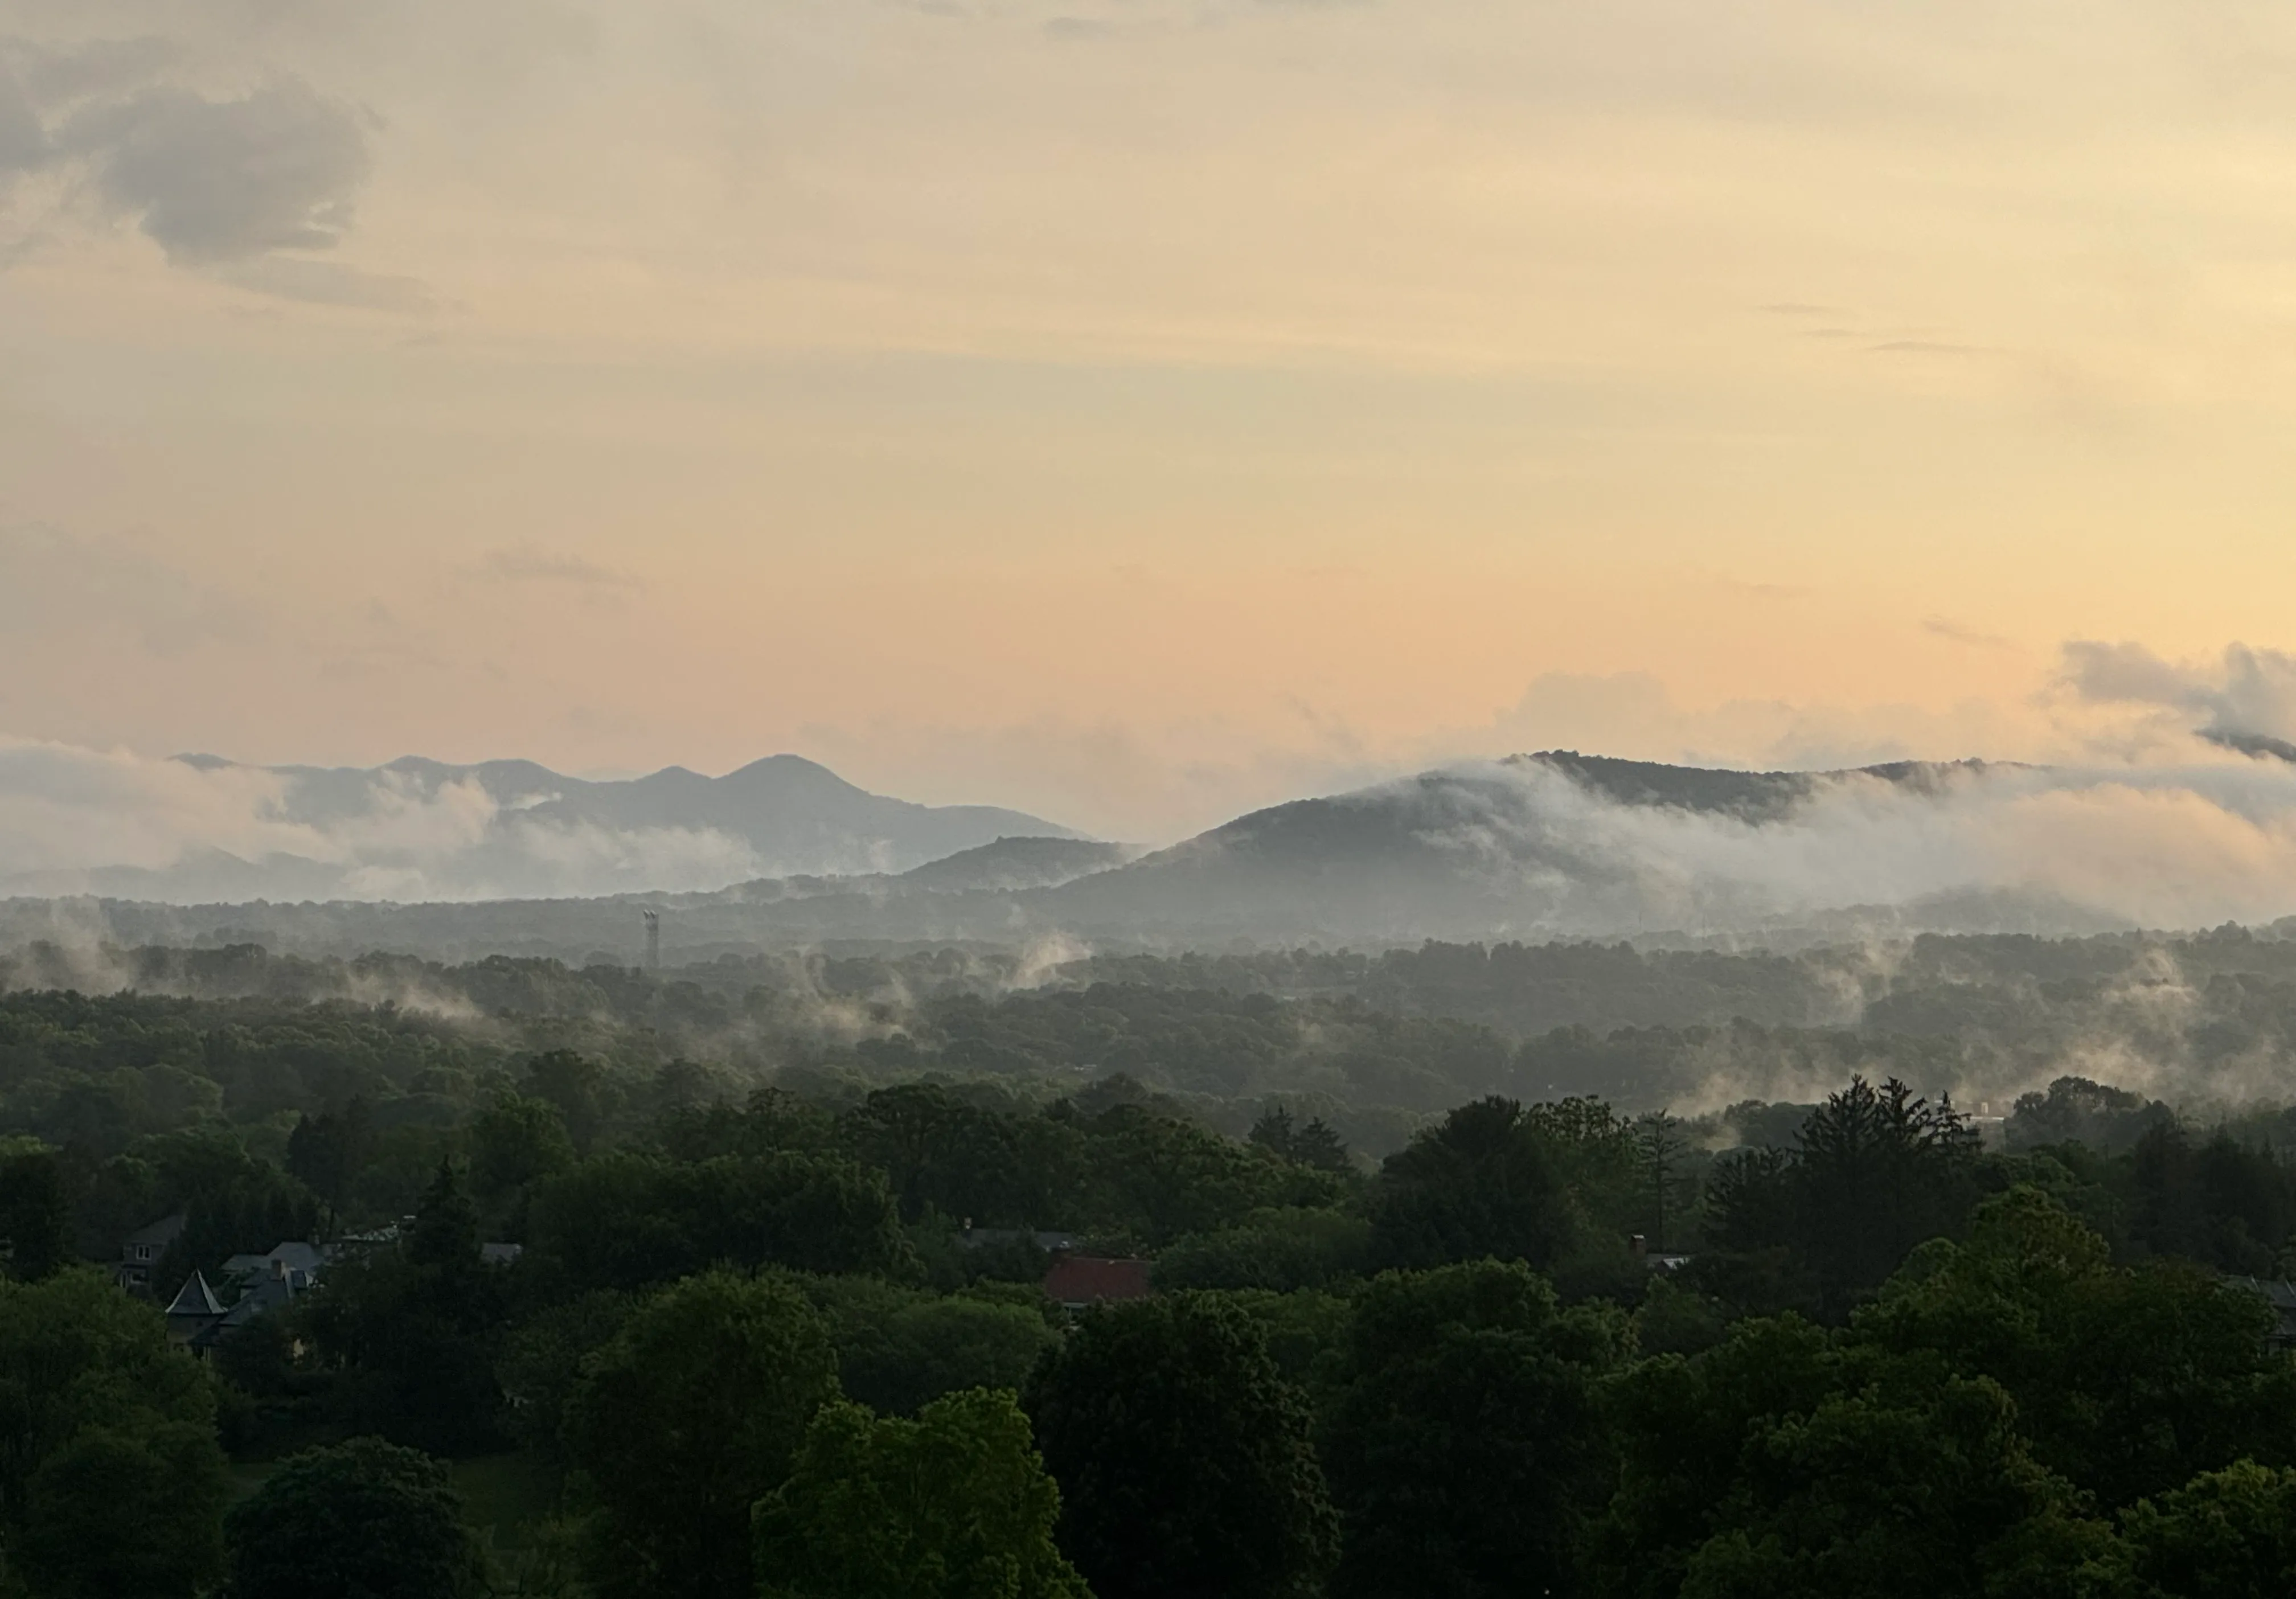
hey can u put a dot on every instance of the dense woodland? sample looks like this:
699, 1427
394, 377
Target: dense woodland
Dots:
1421, 1325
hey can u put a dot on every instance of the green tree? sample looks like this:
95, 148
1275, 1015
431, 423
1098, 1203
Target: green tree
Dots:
934, 1345
1467, 1445
687, 1417
1183, 1457
409, 1330
2224, 1535
1284, 1251
35, 1216
1680, 1428
540, 1363
94, 1406
1898, 1486
625, 1221
2127, 1381
1155, 1177
1484, 1182
955, 1505
364, 1520
132, 1514
576, 1086
941, 1153
1661, 1147
515, 1143
1311, 1144
1874, 1171
326, 1151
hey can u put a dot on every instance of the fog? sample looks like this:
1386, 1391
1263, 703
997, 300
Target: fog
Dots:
198, 829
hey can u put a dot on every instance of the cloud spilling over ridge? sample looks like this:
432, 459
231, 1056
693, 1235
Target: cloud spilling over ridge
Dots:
1561, 847
75, 821
2180, 847
198, 829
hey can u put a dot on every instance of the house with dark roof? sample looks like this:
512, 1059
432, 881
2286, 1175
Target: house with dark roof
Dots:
295, 1259
141, 1249
1079, 1281
199, 1318
194, 1313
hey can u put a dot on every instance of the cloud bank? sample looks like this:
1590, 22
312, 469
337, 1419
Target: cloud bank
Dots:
2059, 849
83, 821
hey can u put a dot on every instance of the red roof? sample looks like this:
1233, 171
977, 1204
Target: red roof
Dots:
1088, 1280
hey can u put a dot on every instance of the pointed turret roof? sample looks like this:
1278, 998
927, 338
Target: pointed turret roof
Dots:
195, 1297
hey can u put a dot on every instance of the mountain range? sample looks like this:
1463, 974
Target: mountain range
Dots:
416, 829
1555, 844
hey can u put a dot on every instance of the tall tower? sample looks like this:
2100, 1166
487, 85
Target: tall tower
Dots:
653, 940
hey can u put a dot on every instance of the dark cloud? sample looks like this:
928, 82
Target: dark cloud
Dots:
24, 142
222, 180
100, 67
2249, 692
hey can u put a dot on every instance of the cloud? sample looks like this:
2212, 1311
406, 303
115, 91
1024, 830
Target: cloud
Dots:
77, 820
328, 284
57, 76
2249, 692
24, 142
526, 563
2162, 848
1925, 346
1946, 628
1633, 715
225, 180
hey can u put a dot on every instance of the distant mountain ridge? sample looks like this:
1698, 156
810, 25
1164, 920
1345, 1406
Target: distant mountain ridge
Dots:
415, 829
795, 814
1513, 847
1550, 845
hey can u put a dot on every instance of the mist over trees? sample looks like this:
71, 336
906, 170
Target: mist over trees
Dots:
1448, 1288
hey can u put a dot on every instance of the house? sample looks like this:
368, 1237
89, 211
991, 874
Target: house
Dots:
198, 1319
141, 1249
194, 1314
1078, 1282
1638, 1246
297, 1263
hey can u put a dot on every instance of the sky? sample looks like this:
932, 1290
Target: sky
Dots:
1136, 411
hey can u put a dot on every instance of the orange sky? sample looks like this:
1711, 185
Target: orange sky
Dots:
1133, 411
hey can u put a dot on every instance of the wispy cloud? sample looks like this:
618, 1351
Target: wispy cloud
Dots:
1946, 628
1925, 346
531, 563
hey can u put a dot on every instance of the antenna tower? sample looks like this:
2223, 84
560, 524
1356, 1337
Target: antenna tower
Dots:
653, 940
